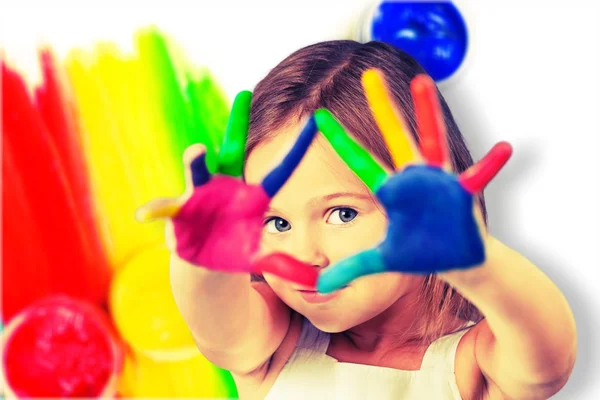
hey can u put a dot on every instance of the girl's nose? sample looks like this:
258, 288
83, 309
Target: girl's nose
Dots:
307, 248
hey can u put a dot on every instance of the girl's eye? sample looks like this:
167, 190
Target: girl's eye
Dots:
342, 216
275, 225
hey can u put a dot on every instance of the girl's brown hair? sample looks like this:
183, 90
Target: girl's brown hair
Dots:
328, 75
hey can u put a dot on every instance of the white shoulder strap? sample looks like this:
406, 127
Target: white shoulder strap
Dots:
308, 370
441, 353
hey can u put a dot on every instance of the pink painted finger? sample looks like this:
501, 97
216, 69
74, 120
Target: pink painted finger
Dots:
288, 268
476, 178
430, 122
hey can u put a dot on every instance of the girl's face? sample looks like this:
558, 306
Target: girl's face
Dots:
323, 214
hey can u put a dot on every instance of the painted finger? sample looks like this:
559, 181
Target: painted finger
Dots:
194, 162
398, 138
354, 155
430, 120
231, 156
278, 176
288, 268
157, 209
343, 273
199, 171
476, 178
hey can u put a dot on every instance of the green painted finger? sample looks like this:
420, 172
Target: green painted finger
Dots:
354, 155
231, 156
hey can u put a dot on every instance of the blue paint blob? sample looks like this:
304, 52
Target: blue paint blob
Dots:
434, 34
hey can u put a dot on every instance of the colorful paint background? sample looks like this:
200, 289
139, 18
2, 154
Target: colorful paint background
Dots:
103, 134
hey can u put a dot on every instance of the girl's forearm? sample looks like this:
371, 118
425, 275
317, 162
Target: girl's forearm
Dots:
215, 305
236, 326
532, 324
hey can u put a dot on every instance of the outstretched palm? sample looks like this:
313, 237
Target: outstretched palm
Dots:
218, 225
432, 223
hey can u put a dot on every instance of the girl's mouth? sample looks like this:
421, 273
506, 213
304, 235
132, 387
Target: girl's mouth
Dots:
314, 297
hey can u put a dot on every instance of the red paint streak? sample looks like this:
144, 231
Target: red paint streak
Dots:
68, 258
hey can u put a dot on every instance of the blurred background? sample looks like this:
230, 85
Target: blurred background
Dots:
99, 101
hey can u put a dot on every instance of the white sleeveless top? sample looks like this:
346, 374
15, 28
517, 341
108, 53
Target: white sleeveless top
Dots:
313, 375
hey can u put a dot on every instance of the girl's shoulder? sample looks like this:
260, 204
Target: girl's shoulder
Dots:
443, 352
257, 385
469, 379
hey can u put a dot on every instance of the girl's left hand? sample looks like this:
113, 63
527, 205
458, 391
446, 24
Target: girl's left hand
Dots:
434, 225
217, 223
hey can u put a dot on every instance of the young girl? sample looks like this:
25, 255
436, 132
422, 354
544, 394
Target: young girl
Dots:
500, 330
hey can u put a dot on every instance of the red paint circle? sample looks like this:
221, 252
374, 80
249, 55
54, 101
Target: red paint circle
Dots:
61, 347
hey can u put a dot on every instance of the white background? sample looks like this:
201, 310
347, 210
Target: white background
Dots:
532, 78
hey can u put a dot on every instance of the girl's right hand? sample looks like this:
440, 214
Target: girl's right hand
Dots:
435, 225
217, 223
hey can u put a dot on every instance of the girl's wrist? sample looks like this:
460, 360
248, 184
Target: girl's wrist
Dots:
476, 275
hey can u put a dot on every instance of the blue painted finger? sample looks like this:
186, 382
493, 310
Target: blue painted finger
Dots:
200, 174
278, 176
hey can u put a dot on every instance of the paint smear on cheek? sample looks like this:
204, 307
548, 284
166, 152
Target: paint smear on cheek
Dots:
220, 226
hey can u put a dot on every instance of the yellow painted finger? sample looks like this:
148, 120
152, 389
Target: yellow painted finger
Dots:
397, 137
159, 208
